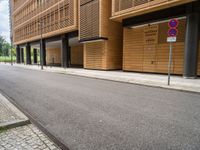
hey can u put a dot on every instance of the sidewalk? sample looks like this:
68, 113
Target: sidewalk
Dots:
155, 80
10, 116
17, 133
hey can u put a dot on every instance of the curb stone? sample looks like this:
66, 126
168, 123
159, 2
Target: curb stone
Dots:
20, 119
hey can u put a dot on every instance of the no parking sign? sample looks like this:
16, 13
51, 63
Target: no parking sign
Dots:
172, 33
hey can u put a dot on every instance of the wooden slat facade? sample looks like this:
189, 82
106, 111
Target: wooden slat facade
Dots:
57, 17
146, 49
142, 49
76, 53
94, 55
105, 54
122, 9
89, 19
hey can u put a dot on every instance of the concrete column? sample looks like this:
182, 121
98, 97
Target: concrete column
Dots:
18, 54
191, 45
22, 55
35, 56
43, 52
28, 54
65, 57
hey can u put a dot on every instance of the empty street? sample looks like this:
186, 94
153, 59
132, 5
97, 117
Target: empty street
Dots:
92, 114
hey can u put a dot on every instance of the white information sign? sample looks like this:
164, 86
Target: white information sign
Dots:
171, 39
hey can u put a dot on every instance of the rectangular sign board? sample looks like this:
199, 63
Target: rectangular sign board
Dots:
171, 39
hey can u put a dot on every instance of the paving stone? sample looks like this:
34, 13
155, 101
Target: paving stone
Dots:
9, 113
13, 139
27, 137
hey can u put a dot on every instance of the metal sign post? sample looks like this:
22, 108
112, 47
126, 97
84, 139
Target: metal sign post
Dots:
170, 63
41, 46
172, 33
11, 62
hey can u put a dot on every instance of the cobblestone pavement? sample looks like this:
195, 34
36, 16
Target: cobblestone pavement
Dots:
25, 138
8, 113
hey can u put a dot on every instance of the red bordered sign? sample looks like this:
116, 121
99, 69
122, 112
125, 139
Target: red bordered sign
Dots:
173, 23
172, 32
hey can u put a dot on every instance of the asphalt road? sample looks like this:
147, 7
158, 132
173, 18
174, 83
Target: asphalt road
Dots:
92, 114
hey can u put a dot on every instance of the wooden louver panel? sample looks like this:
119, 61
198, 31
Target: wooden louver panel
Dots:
146, 49
83, 2
89, 19
60, 16
125, 4
94, 55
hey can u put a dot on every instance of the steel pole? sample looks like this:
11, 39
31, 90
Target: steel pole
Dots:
11, 53
41, 47
170, 64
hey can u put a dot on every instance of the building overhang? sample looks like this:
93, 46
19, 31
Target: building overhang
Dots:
165, 14
132, 12
93, 39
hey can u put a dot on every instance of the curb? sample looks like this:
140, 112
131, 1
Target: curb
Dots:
14, 124
23, 120
59, 143
128, 81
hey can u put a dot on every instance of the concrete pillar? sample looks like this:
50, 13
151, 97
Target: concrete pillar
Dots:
18, 54
28, 54
22, 55
191, 45
43, 52
65, 54
35, 56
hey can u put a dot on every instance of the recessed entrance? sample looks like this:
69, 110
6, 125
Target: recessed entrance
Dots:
53, 53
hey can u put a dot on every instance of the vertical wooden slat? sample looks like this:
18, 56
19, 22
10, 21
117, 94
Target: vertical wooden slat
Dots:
62, 12
89, 19
143, 56
77, 55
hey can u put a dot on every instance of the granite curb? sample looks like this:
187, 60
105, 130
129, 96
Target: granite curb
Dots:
19, 120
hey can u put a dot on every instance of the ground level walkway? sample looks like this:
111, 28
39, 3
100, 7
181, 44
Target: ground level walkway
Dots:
17, 133
157, 80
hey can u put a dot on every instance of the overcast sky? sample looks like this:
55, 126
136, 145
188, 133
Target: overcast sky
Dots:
4, 20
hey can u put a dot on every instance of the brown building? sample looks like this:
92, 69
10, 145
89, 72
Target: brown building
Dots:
108, 34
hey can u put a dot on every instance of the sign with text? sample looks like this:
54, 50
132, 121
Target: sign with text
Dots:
172, 33
151, 35
171, 39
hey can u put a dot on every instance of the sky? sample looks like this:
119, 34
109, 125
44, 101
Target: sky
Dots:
4, 20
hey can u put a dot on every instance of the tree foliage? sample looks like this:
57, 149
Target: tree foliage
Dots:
4, 47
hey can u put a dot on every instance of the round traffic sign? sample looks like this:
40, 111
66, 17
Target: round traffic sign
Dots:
173, 23
172, 32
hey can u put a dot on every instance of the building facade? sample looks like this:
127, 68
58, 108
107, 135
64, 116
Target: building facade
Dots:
108, 34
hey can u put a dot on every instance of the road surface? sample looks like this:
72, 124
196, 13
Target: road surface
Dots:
92, 114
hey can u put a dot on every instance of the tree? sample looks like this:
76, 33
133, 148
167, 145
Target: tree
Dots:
2, 41
4, 47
